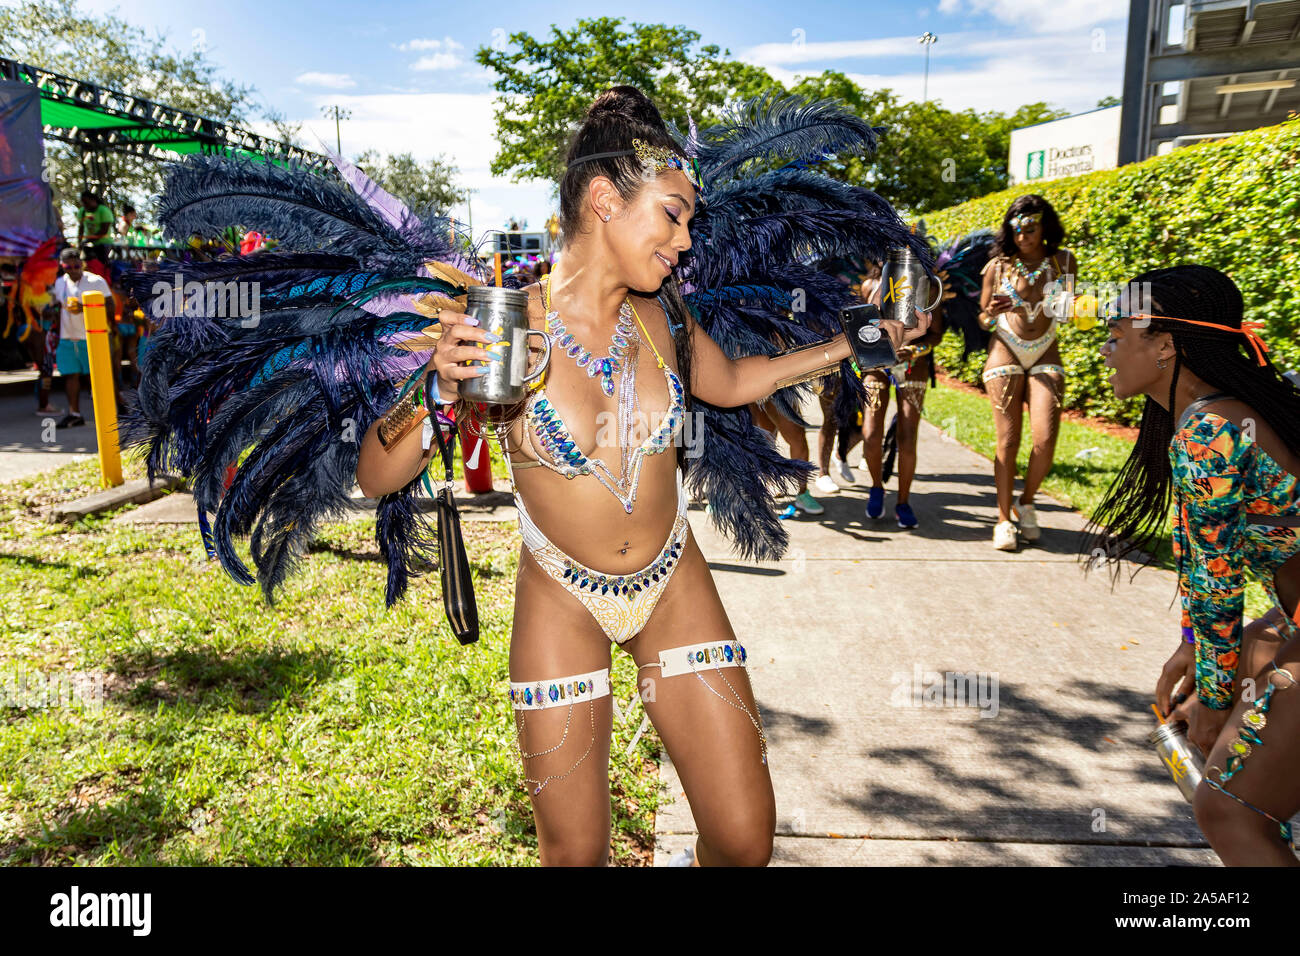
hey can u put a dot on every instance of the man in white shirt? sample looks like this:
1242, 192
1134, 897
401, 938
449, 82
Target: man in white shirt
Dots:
73, 357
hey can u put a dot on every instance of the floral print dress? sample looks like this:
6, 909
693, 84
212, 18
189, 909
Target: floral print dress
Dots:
1221, 480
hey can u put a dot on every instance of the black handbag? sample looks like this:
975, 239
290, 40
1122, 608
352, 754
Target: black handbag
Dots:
453, 562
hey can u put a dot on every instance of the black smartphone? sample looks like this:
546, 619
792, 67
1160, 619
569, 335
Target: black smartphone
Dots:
871, 346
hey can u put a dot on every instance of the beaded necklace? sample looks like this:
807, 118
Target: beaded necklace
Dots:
1023, 271
604, 367
562, 452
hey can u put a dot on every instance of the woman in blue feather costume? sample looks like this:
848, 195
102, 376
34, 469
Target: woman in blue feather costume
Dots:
632, 212
686, 289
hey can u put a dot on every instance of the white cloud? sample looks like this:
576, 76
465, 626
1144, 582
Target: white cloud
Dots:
331, 81
459, 126
444, 53
975, 69
417, 44
438, 61
777, 54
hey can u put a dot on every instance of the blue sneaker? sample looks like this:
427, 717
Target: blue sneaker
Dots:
903, 511
876, 503
789, 512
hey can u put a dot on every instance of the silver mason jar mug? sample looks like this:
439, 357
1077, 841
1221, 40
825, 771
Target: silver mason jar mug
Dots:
904, 286
1181, 758
503, 313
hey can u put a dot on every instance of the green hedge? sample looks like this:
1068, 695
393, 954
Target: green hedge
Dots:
1233, 204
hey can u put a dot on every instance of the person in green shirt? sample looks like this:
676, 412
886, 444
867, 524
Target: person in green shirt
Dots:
96, 223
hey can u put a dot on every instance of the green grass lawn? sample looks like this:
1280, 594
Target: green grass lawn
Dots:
323, 730
1087, 460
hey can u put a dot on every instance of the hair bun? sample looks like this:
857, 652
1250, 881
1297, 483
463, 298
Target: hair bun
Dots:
627, 102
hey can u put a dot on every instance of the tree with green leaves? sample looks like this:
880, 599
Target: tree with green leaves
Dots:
545, 85
58, 35
929, 157
421, 186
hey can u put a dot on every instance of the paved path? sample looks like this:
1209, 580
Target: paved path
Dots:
1053, 768
30, 443
846, 634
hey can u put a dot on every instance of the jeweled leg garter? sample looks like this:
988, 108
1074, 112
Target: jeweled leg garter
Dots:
1252, 722
712, 656
550, 694
1002, 404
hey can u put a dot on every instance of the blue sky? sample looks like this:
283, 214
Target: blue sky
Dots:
406, 69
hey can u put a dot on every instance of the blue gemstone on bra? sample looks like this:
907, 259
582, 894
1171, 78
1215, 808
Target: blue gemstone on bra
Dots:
528, 695
604, 589
727, 652
566, 446
574, 350
554, 693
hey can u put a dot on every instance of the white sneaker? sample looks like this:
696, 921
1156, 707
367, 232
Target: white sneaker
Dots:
862, 463
826, 485
684, 858
846, 473
1004, 536
1029, 529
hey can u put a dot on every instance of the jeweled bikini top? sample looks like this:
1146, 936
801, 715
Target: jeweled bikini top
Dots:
566, 458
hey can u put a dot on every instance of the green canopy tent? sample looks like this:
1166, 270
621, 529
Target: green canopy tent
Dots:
98, 121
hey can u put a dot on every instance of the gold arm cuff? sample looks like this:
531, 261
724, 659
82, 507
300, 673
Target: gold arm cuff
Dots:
401, 418
815, 373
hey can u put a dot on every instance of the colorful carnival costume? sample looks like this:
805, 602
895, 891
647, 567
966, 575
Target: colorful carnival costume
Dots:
1027, 352
1237, 510
349, 301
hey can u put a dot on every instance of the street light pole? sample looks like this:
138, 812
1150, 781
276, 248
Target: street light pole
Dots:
927, 39
338, 113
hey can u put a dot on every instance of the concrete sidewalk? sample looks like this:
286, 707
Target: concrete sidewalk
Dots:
847, 632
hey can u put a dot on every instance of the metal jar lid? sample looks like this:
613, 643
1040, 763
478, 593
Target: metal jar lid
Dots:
1167, 733
902, 254
494, 296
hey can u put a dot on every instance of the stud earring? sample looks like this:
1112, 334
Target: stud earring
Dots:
607, 217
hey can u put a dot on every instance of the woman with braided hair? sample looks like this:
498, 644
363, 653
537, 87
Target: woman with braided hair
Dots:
1220, 435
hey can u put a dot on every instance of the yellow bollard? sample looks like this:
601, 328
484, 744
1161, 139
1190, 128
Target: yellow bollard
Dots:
101, 388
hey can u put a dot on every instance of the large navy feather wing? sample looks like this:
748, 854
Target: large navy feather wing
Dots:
287, 393
754, 281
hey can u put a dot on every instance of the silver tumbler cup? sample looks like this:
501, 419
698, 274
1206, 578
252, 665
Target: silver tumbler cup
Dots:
904, 286
1180, 756
504, 313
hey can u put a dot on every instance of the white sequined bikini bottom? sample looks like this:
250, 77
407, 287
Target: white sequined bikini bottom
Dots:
620, 603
